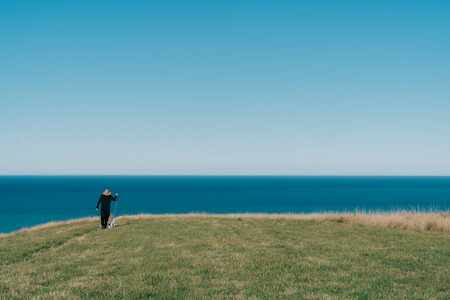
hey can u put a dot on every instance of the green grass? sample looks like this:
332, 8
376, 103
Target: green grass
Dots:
224, 258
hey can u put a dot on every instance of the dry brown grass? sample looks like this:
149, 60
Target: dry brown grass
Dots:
427, 221
403, 220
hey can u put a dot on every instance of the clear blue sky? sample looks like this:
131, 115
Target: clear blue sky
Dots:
229, 87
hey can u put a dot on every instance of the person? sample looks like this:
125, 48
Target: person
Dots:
105, 200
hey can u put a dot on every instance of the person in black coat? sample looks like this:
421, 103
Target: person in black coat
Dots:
105, 200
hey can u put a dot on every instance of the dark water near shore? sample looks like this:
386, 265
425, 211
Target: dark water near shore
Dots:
31, 200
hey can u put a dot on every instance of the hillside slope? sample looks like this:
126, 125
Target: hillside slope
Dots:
224, 258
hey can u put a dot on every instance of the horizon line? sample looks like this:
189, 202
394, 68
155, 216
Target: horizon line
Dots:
236, 175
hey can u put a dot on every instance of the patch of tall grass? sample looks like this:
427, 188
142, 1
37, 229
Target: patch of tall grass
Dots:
412, 219
400, 219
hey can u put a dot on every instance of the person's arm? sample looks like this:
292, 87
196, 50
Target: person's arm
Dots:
117, 197
98, 203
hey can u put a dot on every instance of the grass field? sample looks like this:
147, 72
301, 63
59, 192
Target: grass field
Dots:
211, 257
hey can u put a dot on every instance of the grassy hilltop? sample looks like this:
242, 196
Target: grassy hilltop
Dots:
211, 257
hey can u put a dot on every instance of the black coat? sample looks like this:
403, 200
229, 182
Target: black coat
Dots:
106, 201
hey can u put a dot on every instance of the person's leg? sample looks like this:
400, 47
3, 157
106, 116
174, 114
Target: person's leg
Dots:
104, 219
107, 213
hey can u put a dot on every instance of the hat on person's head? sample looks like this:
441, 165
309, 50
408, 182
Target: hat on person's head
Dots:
106, 192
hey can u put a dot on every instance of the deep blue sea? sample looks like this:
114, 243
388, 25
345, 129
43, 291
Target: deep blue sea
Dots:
31, 200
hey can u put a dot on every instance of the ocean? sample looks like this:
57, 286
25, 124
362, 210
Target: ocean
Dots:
27, 201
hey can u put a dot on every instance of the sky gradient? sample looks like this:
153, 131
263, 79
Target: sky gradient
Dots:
230, 88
